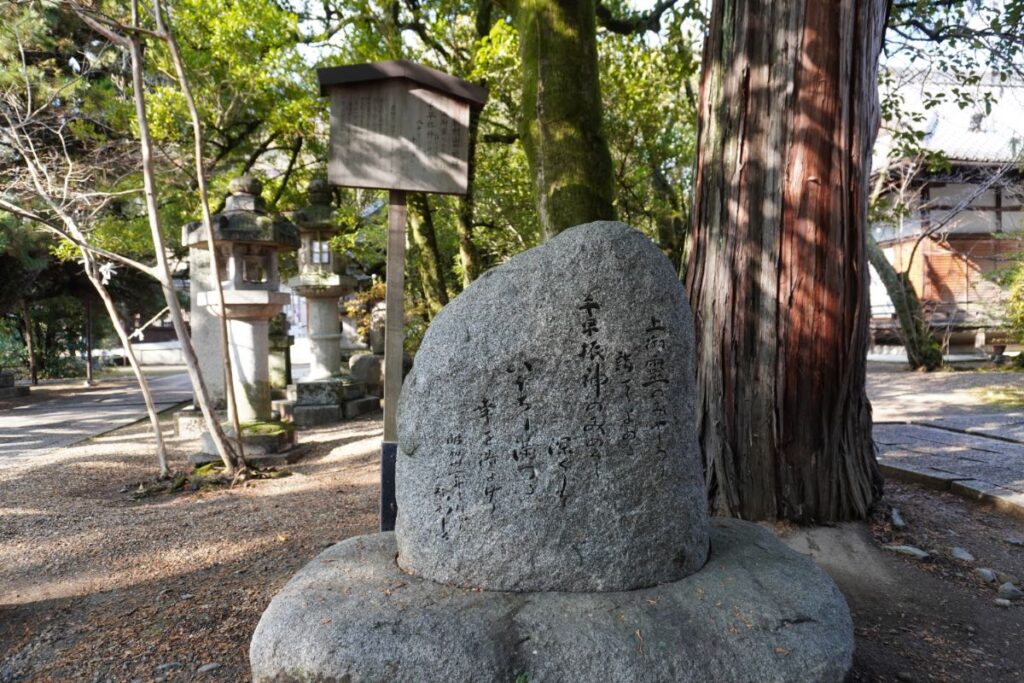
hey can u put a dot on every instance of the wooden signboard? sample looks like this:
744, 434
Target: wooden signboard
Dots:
401, 127
392, 135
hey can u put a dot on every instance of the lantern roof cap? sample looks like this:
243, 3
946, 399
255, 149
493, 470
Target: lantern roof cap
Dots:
245, 220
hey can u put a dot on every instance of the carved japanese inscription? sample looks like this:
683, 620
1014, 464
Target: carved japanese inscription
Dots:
546, 436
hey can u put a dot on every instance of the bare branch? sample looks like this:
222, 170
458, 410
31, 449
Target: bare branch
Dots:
634, 23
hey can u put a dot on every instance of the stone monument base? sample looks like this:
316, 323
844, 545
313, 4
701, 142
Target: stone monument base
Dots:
267, 444
757, 611
324, 401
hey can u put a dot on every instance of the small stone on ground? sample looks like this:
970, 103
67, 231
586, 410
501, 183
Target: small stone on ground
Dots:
986, 574
910, 550
1008, 591
898, 522
961, 554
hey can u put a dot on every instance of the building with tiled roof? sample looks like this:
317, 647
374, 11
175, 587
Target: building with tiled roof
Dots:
963, 228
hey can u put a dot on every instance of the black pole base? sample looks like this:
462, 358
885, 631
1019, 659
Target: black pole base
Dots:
388, 506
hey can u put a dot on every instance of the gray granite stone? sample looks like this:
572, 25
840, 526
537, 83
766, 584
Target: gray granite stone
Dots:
368, 368
333, 391
909, 550
547, 430
961, 554
986, 574
756, 612
1008, 591
311, 416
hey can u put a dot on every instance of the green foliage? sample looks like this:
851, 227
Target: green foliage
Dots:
360, 306
1015, 305
13, 353
651, 123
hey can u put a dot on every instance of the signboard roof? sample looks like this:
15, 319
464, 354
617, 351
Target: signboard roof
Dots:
444, 83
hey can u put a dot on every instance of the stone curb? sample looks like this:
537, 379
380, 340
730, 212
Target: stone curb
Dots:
1003, 499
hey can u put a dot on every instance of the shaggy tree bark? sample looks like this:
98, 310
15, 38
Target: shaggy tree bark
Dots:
561, 123
778, 273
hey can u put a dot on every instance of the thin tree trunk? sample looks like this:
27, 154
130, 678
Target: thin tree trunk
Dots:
122, 335
224, 449
469, 253
923, 351
204, 202
561, 122
88, 341
430, 261
672, 230
33, 362
778, 272
162, 272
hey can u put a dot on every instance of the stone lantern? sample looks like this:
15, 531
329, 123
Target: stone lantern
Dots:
328, 392
247, 240
322, 280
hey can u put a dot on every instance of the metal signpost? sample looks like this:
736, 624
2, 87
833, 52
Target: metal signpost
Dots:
401, 127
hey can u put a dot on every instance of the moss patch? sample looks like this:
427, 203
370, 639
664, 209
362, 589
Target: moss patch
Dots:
267, 428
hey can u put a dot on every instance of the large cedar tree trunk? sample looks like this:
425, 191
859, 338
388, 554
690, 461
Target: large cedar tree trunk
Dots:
778, 273
561, 126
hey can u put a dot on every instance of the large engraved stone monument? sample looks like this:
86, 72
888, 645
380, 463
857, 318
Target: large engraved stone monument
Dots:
552, 519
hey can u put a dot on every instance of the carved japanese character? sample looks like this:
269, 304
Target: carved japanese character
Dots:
591, 351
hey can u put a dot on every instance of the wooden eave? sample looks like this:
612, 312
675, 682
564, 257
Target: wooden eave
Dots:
447, 84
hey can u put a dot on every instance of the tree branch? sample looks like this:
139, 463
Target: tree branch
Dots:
634, 23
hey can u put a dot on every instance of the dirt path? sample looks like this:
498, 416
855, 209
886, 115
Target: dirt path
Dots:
61, 415
899, 396
95, 586
932, 619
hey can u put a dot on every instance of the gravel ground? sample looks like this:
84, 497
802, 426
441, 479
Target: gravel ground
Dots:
96, 586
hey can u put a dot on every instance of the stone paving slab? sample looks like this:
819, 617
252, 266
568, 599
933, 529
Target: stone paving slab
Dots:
986, 464
28, 430
999, 425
